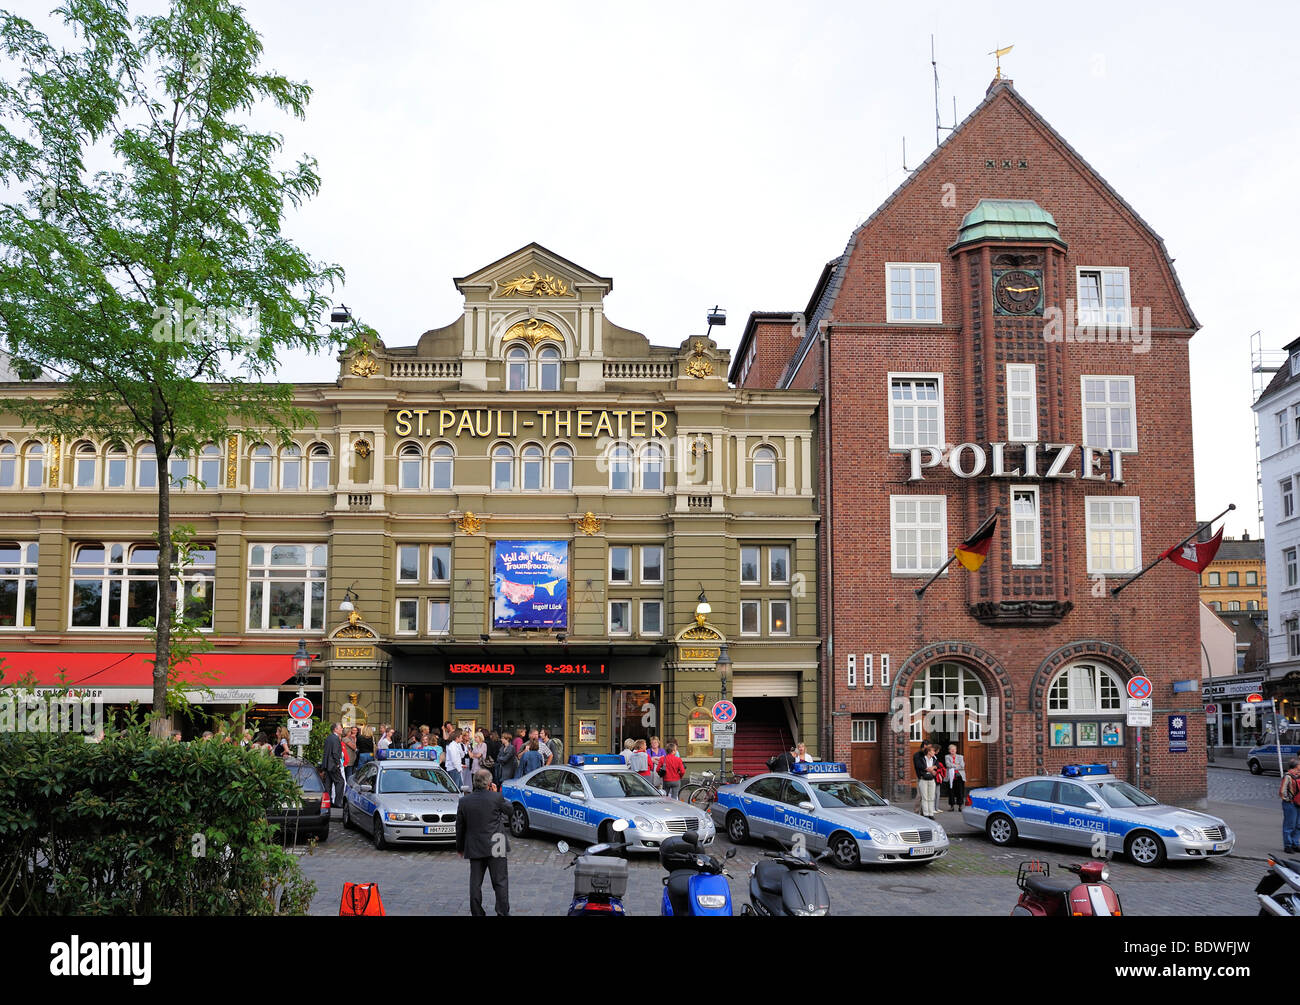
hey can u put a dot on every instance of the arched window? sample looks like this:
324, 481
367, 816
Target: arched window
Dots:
318, 474
562, 469
291, 468
409, 461
116, 473
442, 472
652, 468
620, 468
8, 465
503, 468
548, 368
944, 695
517, 370
178, 466
210, 467
1234, 605
146, 467
764, 470
260, 468
531, 463
85, 461
34, 464
1085, 688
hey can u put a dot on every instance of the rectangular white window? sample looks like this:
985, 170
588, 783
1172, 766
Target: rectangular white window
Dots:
408, 563
1288, 498
1103, 296
652, 620
851, 673
778, 565
439, 617
749, 559
620, 564
778, 617
1289, 560
915, 410
863, 730
652, 563
749, 617
1109, 420
914, 292
439, 563
1114, 534
868, 670
286, 587
620, 617
884, 669
1295, 421
406, 614
18, 563
85, 474
1022, 402
918, 529
1281, 429
1026, 526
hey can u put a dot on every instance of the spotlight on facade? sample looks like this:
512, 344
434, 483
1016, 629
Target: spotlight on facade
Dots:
483, 638
717, 316
340, 315
561, 637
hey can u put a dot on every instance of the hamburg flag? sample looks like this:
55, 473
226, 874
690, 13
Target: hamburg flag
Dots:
1195, 555
972, 552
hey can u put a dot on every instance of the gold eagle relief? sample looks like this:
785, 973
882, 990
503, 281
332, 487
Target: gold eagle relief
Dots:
533, 286
532, 331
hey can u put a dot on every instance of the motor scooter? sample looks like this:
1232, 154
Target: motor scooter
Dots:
1279, 890
1046, 896
696, 884
790, 885
599, 883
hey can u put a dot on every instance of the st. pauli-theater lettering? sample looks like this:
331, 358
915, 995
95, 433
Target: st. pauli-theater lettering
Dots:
506, 423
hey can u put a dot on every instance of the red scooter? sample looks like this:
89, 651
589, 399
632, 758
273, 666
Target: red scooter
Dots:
1045, 896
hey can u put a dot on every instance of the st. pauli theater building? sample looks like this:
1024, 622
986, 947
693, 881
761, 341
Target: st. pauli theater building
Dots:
1004, 335
511, 522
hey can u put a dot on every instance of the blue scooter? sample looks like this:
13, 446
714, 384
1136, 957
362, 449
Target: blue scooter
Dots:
696, 884
599, 884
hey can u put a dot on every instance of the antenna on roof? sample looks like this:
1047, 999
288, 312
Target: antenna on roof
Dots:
938, 125
905, 167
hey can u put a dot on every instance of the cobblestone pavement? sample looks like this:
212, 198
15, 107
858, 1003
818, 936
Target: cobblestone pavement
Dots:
1242, 787
975, 878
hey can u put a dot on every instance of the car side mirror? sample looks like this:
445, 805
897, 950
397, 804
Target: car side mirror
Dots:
1095, 807
805, 805
366, 787
577, 795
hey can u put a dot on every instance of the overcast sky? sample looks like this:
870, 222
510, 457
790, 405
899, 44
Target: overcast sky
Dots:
710, 152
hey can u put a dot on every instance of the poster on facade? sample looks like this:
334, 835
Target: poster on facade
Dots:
1062, 734
1087, 735
531, 587
1110, 734
587, 731
699, 733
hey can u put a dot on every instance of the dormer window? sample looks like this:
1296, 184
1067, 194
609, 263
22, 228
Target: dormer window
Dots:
1295, 364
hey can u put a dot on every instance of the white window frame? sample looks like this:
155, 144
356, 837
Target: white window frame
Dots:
1109, 407
1101, 319
556, 462
869, 732
627, 604
1295, 364
1137, 532
1021, 370
1282, 428
771, 618
1288, 497
652, 547
79, 457
769, 464
516, 356
257, 459
25, 579
410, 460
894, 442
291, 455
641, 623
868, 670
1291, 568
643, 465
884, 669
146, 572
209, 454
912, 319
543, 362
266, 574
1037, 530
413, 604
771, 580
398, 563
758, 565
508, 457
318, 457
1213, 579
10, 465
1072, 702
620, 547
630, 455
757, 607
436, 459
538, 460
895, 529
115, 454
433, 553
429, 629
34, 458
851, 670
144, 456
1295, 420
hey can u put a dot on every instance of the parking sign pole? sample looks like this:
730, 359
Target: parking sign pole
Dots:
1277, 734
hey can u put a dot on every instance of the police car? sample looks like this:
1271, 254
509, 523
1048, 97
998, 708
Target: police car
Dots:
1088, 806
402, 797
1264, 757
831, 809
583, 799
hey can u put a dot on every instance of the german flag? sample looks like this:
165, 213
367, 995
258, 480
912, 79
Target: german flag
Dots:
972, 552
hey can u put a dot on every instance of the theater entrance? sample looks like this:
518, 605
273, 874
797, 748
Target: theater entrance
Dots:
418, 705
528, 707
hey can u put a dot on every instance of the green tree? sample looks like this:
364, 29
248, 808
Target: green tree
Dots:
143, 264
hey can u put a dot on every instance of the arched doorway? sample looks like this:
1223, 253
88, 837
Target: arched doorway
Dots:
949, 704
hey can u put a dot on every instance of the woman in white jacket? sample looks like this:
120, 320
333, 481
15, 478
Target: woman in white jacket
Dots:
955, 764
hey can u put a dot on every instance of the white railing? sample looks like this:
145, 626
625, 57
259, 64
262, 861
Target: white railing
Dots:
436, 369
640, 370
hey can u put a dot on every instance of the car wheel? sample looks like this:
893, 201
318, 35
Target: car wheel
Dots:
737, 827
348, 823
1001, 829
1255, 767
519, 822
378, 835
844, 851
1145, 849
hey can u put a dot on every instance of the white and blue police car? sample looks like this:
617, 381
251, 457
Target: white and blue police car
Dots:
583, 798
1085, 805
1264, 757
830, 808
402, 797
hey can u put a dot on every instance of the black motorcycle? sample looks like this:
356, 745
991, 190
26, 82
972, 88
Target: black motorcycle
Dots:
1279, 890
787, 884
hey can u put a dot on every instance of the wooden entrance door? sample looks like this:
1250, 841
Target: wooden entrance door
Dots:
864, 750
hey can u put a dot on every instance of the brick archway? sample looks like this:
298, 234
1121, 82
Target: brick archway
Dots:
997, 686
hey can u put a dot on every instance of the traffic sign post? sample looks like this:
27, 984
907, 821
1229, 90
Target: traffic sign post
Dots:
723, 741
301, 707
1139, 687
724, 711
1139, 712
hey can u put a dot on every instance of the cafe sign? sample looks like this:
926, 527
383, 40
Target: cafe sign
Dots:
1047, 461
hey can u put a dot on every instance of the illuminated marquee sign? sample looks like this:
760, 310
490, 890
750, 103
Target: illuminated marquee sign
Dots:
529, 671
1019, 460
509, 423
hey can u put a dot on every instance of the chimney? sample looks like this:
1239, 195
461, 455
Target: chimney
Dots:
1245, 535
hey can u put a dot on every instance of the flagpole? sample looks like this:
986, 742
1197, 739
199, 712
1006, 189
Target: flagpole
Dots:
952, 558
1160, 558
926, 585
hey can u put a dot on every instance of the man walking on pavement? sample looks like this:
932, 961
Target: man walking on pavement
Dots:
332, 763
1290, 793
481, 820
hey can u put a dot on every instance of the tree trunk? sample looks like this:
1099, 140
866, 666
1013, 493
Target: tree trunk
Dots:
162, 723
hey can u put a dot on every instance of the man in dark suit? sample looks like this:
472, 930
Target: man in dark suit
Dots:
481, 820
332, 764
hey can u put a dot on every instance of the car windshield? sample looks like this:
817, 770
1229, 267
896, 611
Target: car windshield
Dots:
1122, 794
619, 785
416, 780
846, 792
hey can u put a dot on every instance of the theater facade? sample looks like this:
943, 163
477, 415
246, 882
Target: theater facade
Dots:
510, 522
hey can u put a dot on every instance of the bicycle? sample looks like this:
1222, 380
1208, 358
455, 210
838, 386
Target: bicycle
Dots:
701, 790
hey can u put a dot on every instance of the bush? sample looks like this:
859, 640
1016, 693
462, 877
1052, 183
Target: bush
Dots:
139, 825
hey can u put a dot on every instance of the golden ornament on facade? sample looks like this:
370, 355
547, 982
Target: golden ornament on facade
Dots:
699, 365
363, 364
362, 447
56, 451
532, 331
354, 632
589, 524
232, 461
700, 447
469, 524
701, 631
533, 286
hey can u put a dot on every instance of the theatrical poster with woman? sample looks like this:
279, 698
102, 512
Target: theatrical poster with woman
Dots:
531, 584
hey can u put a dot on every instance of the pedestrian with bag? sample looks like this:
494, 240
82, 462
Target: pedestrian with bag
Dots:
456, 756
672, 769
531, 760
1290, 793
507, 761
955, 764
640, 761
481, 820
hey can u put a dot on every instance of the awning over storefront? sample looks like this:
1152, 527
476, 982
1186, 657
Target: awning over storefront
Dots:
119, 678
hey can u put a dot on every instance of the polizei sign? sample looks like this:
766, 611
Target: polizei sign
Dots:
1020, 460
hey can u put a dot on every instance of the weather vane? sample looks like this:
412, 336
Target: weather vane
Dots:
998, 54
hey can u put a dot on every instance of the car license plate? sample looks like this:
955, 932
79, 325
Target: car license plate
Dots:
925, 849
440, 829
1216, 847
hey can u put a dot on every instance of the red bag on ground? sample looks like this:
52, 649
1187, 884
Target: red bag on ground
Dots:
361, 900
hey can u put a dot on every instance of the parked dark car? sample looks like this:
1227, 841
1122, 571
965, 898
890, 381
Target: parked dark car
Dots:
312, 817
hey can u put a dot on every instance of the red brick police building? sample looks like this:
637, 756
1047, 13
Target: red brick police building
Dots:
1005, 333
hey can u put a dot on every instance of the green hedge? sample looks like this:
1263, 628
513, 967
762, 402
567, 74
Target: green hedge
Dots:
139, 825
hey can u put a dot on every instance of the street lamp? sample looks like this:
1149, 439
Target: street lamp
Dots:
340, 315
702, 609
301, 661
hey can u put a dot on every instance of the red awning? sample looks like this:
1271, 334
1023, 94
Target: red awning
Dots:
129, 676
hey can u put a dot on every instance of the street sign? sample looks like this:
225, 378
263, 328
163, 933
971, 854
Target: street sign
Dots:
724, 741
729, 728
1178, 734
299, 737
300, 724
1139, 711
1254, 699
724, 711
1211, 711
301, 707
1139, 687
